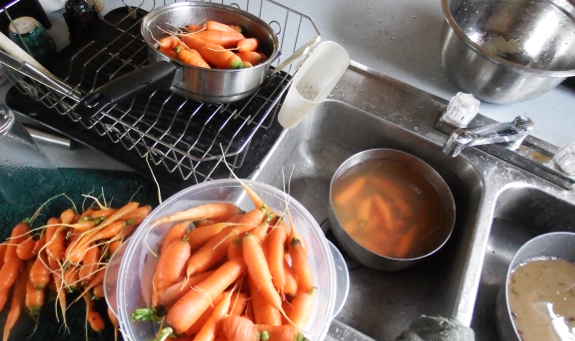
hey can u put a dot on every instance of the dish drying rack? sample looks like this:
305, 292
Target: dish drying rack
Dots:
184, 138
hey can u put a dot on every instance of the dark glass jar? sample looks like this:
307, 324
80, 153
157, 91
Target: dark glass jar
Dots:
31, 36
81, 17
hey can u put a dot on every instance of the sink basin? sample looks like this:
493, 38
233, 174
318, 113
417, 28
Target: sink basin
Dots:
521, 213
498, 205
380, 304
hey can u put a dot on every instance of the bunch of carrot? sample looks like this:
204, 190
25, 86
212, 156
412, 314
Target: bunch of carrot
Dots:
67, 254
212, 45
224, 274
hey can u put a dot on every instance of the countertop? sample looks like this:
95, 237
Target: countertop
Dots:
399, 39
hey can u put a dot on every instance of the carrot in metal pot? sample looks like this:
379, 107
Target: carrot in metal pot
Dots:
251, 57
190, 58
195, 28
212, 25
169, 42
214, 54
228, 39
247, 45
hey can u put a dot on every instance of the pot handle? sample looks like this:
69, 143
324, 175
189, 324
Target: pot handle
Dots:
156, 76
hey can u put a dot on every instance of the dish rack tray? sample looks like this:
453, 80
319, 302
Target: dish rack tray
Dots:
181, 139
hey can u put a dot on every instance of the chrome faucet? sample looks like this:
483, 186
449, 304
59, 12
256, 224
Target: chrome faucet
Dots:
510, 135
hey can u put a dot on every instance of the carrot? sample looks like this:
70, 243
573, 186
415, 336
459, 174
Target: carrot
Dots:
290, 288
168, 52
68, 216
173, 293
235, 248
217, 247
139, 213
120, 214
93, 317
114, 246
3, 247
187, 309
280, 333
17, 236
34, 298
25, 250
89, 265
111, 230
237, 28
239, 303
16, 305
350, 191
263, 312
171, 264
102, 214
301, 307
300, 265
4, 298
226, 40
78, 247
84, 225
190, 58
12, 263
195, 28
247, 45
115, 323
239, 328
275, 256
214, 54
217, 26
201, 235
55, 242
176, 232
39, 274
208, 331
213, 210
259, 271
251, 57
384, 212
169, 42
71, 278
98, 291
406, 242
39, 245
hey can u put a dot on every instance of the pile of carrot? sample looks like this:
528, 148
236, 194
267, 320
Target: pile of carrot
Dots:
67, 254
224, 274
213, 45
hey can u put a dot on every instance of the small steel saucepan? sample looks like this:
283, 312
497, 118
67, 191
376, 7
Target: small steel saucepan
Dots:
163, 73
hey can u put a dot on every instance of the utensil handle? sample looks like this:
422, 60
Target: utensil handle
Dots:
156, 76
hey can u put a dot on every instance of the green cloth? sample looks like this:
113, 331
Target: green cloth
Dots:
435, 328
118, 187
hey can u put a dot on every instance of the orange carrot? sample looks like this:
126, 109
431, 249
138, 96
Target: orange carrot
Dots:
176, 232
98, 291
195, 28
200, 235
39, 272
16, 305
168, 52
226, 40
25, 250
350, 191
12, 263
89, 265
102, 214
139, 213
173, 293
115, 323
111, 230
68, 216
55, 242
120, 214
190, 58
171, 264
217, 26
93, 317
263, 312
39, 244
71, 277
208, 331
247, 45
187, 309
258, 270
235, 248
34, 298
4, 298
290, 288
169, 42
300, 265
213, 210
239, 328
214, 54
251, 57
301, 307
239, 303
114, 246
275, 256
280, 333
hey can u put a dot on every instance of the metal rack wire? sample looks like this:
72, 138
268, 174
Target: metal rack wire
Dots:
185, 137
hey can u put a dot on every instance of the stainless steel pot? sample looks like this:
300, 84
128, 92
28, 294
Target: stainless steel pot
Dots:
205, 85
508, 51
554, 244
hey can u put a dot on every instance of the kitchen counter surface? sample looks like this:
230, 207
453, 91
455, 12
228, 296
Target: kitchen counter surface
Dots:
400, 39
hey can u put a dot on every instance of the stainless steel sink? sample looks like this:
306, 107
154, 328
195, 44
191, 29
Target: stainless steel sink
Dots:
498, 205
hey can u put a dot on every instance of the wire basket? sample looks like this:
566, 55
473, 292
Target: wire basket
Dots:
188, 138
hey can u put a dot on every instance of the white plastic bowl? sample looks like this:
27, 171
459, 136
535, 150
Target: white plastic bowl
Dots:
134, 266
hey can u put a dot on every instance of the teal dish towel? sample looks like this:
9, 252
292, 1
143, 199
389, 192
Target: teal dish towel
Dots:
436, 328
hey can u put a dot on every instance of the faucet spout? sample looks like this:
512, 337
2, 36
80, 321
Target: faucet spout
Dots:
510, 134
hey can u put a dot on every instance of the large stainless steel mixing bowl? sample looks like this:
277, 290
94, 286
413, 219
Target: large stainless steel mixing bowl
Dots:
508, 51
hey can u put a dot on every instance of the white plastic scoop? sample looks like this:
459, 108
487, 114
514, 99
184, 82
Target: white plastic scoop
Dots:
313, 82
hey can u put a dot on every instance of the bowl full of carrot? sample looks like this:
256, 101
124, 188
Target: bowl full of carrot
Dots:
390, 209
227, 259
